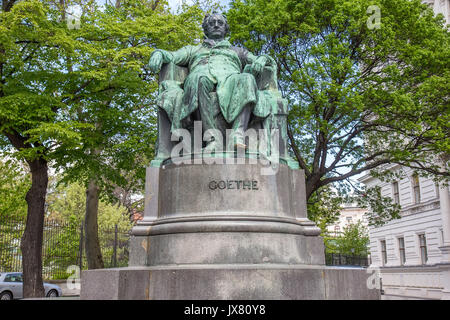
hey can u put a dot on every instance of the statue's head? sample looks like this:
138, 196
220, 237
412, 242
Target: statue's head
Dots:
215, 26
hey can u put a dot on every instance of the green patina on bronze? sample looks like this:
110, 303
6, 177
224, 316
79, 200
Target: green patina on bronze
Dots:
223, 85
220, 64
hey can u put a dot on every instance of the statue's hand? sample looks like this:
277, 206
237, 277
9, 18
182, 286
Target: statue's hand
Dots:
156, 61
259, 64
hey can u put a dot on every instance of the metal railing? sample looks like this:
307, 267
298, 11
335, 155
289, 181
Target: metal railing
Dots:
63, 245
337, 259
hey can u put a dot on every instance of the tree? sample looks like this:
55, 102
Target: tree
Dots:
66, 203
34, 92
14, 184
118, 103
362, 95
324, 207
64, 93
353, 241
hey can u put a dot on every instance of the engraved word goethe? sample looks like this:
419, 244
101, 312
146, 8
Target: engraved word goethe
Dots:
233, 185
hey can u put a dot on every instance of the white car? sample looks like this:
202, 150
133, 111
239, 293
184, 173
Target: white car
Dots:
11, 287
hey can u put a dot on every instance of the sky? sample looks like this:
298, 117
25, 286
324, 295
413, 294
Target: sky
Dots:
174, 4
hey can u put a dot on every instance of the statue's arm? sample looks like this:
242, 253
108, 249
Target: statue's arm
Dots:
159, 57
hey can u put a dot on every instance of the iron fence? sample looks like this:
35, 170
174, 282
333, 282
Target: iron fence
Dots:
63, 245
337, 259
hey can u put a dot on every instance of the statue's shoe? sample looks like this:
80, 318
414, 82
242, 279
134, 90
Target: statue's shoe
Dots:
240, 145
237, 144
237, 141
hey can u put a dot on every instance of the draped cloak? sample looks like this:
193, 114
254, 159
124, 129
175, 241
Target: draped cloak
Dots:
223, 64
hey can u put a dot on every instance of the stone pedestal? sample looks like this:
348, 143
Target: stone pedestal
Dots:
224, 214
226, 231
227, 282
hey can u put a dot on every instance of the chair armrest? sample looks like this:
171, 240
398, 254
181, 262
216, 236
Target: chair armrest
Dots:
266, 80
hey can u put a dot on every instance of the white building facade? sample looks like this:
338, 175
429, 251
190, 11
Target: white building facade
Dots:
413, 252
440, 6
408, 250
349, 214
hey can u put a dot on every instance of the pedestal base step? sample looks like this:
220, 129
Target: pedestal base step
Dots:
224, 282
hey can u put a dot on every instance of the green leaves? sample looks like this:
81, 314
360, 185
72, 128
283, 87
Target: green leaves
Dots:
380, 209
118, 98
354, 241
359, 96
84, 98
66, 203
324, 207
14, 185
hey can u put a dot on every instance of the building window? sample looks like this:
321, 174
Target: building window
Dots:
423, 248
396, 193
337, 230
416, 188
401, 248
349, 220
383, 252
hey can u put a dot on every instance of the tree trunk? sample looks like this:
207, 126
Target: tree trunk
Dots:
92, 244
31, 243
7, 5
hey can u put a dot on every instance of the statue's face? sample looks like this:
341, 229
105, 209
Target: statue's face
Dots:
215, 27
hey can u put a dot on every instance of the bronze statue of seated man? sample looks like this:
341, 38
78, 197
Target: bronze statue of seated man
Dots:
218, 84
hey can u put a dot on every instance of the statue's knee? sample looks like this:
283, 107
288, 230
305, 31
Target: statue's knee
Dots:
247, 80
247, 77
205, 83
